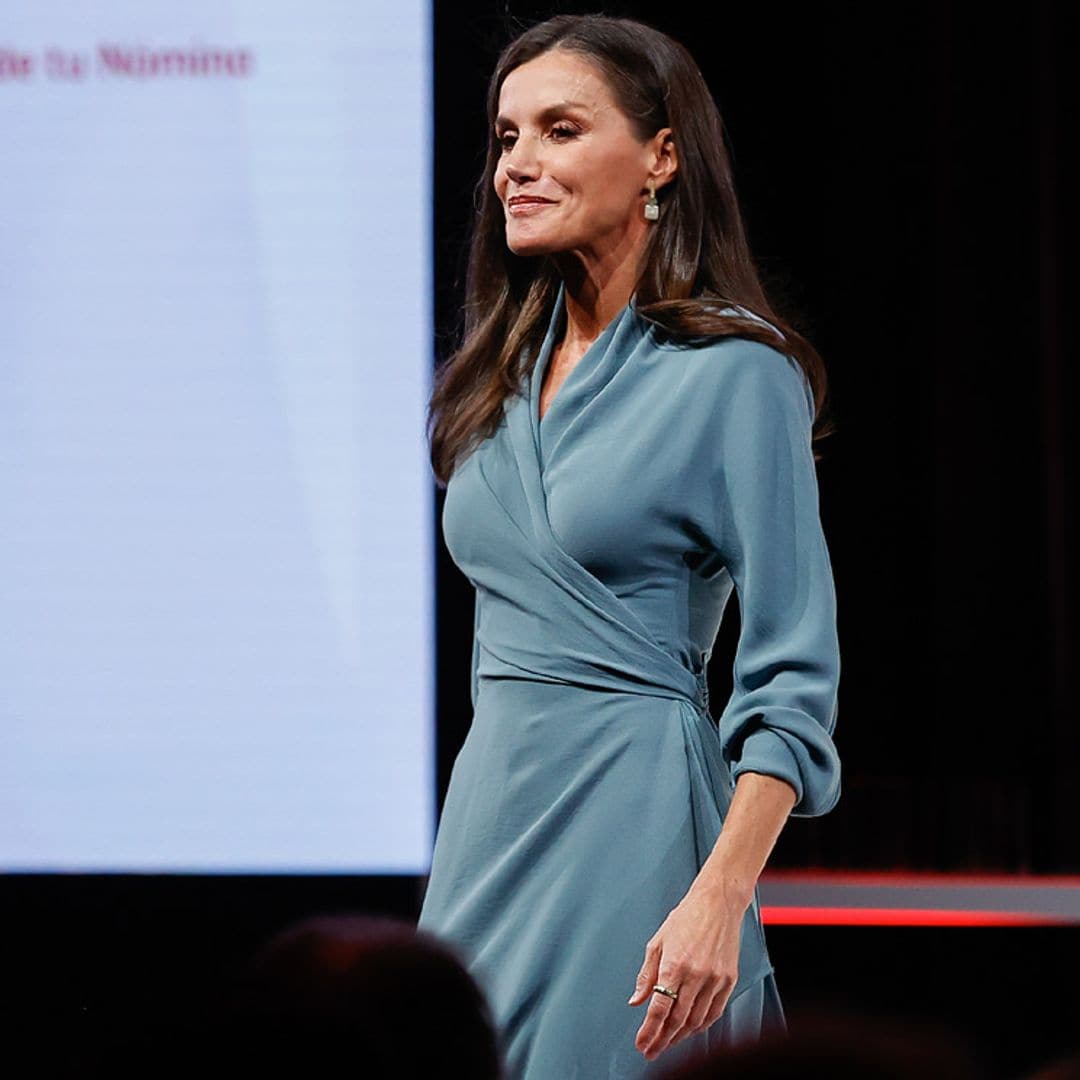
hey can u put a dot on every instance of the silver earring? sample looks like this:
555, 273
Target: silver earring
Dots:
652, 207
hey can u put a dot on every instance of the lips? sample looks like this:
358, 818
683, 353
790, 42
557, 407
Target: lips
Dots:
523, 200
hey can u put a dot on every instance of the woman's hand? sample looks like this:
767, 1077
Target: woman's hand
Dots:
696, 953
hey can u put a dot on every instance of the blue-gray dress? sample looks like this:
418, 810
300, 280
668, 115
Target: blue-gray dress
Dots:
604, 541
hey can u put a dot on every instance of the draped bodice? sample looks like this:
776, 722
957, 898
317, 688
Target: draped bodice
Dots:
606, 538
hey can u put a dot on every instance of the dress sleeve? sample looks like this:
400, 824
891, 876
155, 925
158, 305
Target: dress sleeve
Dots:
783, 707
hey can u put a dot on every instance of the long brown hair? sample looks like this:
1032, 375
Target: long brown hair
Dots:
696, 264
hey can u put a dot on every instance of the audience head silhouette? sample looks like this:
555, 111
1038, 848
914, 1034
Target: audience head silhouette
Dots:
844, 1046
350, 995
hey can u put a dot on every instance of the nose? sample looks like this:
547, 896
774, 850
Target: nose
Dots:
520, 164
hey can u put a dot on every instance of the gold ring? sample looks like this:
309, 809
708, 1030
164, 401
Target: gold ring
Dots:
664, 990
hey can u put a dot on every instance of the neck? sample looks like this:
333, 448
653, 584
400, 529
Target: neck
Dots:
594, 295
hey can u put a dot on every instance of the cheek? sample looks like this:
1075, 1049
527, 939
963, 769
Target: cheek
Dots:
607, 192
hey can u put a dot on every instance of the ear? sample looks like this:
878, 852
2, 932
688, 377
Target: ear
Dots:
665, 157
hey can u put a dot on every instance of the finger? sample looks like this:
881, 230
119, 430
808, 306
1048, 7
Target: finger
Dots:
716, 1010
719, 1004
647, 976
663, 1020
677, 1024
703, 1005
698, 1017
659, 1008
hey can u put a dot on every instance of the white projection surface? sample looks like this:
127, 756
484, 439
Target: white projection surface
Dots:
215, 499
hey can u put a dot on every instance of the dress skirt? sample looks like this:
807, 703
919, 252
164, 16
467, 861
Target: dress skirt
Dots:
568, 834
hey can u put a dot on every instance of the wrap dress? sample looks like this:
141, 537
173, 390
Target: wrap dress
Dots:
604, 541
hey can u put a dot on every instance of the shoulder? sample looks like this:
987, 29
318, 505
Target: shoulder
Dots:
740, 374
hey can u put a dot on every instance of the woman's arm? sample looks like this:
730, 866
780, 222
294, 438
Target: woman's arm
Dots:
759, 808
775, 732
780, 718
696, 949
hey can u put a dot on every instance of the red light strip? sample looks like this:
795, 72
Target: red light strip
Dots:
865, 916
920, 878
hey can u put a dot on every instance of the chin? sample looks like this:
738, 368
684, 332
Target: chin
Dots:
525, 246
525, 239
526, 252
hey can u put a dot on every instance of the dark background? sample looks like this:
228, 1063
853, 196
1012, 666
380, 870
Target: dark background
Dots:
902, 173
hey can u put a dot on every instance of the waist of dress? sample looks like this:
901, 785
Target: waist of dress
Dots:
676, 682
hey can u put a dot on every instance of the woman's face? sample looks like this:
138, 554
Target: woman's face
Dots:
564, 140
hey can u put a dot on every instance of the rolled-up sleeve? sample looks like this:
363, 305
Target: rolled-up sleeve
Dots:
783, 707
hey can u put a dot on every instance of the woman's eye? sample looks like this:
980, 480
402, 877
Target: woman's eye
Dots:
562, 131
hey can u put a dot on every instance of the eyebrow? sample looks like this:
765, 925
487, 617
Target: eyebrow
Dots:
545, 114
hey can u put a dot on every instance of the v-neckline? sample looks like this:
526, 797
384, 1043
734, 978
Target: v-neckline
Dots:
541, 416
542, 364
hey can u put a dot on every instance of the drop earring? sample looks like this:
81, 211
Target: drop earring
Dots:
652, 207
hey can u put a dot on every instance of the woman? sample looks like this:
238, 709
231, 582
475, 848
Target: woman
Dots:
625, 434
